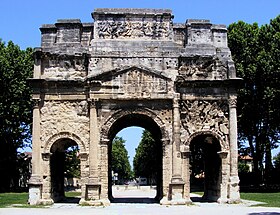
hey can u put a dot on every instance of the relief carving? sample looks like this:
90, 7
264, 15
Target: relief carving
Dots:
64, 68
55, 114
136, 82
202, 115
202, 68
129, 29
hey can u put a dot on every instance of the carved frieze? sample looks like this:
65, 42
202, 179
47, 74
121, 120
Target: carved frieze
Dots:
205, 115
54, 114
199, 68
134, 29
64, 67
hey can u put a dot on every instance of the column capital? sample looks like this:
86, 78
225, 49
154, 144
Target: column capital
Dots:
92, 102
232, 101
36, 102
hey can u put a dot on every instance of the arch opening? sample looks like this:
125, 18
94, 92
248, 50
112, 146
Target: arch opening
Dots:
205, 166
65, 171
142, 188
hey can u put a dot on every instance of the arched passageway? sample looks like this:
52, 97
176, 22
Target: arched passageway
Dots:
59, 162
149, 124
205, 166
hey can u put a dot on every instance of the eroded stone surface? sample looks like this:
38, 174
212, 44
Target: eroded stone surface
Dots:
133, 67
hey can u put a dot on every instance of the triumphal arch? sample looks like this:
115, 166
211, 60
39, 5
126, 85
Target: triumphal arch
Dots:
135, 67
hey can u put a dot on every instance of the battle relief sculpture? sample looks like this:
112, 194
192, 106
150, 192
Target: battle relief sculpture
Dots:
134, 67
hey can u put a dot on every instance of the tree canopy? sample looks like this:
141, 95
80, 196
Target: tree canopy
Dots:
147, 160
256, 52
72, 162
16, 67
120, 163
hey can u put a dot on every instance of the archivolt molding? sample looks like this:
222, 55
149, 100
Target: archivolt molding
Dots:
107, 125
224, 144
63, 135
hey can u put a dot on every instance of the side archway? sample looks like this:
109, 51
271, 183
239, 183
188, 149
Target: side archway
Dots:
54, 157
208, 165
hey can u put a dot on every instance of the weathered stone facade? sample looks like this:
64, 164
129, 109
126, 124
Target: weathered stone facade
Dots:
134, 67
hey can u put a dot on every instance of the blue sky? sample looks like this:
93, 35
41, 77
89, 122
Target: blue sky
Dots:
20, 20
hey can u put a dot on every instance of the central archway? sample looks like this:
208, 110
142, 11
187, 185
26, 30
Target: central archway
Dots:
146, 122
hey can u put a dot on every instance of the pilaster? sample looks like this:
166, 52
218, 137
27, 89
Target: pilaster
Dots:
93, 186
176, 189
234, 195
35, 182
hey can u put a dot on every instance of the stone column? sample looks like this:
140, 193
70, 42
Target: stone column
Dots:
177, 183
35, 182
176, 156
234, 195
94, 142
93, 185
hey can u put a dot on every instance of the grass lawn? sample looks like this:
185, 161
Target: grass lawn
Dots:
7, 199
271, 199
72, 194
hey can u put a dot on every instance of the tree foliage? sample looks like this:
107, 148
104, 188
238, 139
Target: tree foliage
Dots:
256, 52
72, 162
120, 163
15, 109
147, 160
276, 160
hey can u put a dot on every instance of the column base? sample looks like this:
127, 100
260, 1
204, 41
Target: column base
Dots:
93, 190
234, 195
35, 190
181, 201
99, 202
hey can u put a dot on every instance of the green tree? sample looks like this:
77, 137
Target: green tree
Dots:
255, 51
120, 163
72, 162
16, 67
147, 160
276, 160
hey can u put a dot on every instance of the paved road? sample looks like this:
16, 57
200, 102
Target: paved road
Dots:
135, 209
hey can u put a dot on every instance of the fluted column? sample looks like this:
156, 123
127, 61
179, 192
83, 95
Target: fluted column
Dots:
176, 156
94, 142
35, 182
36, 142
234, 195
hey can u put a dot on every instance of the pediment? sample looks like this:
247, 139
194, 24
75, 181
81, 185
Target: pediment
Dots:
111, 74
132, 80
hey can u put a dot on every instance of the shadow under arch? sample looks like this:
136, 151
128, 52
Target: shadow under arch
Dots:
57, 169
147, 120
205, 166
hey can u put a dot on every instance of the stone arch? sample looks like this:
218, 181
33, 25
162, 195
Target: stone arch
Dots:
144, 118
64, 135
107, 125
224, 145
215, 173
